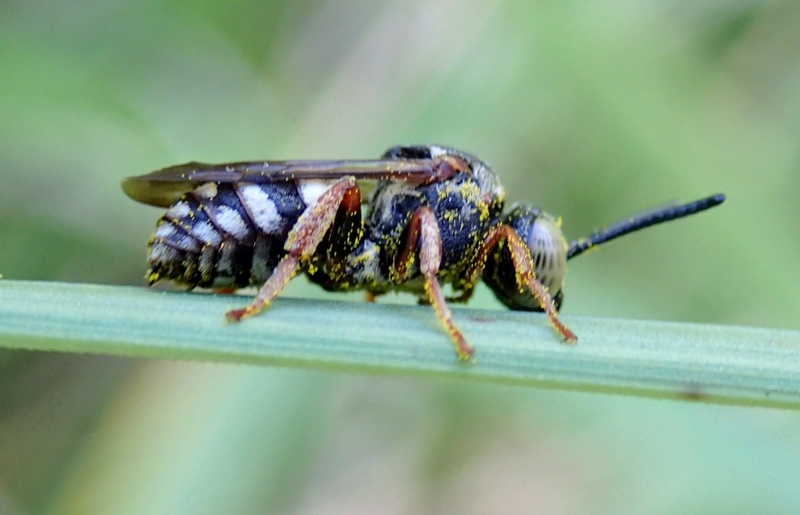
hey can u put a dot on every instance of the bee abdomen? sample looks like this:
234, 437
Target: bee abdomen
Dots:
222, 235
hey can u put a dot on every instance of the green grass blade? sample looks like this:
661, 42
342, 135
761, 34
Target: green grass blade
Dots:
733, 365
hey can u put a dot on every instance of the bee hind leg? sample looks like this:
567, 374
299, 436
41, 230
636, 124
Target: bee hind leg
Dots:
301, 243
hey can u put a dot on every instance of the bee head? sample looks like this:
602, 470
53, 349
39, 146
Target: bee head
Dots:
548, 248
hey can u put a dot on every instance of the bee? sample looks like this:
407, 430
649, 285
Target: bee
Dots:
435, 216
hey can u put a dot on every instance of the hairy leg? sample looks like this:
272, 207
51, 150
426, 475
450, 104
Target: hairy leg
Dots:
423, 231
525, 276
301, 243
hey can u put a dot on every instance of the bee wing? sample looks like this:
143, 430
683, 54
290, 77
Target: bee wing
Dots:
164, 187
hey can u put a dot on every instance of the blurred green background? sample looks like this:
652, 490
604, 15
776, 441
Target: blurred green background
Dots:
592, 110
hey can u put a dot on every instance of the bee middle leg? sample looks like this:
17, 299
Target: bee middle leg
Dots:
301, 243
424, 231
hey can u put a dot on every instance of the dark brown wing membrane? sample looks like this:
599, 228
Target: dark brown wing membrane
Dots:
163, 187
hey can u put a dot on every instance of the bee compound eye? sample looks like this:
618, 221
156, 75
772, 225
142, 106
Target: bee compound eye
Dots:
548, 252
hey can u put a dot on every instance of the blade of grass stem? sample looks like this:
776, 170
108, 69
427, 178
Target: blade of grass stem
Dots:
731, 365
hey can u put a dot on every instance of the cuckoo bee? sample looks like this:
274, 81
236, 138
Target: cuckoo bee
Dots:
434, 217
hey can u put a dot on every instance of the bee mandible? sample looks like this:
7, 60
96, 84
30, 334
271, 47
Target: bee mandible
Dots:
434, 217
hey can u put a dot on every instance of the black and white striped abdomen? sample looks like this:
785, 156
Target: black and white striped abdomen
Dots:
224, 235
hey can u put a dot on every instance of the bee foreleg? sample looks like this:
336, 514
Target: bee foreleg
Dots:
423, 224
525, 276
301, 243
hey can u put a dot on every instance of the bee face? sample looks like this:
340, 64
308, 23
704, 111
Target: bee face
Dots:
548, 249
548, 252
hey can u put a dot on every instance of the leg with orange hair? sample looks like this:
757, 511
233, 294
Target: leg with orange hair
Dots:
525, 276
302, 241
424, 231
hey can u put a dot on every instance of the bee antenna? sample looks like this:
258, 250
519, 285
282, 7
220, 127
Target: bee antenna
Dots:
641, 221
